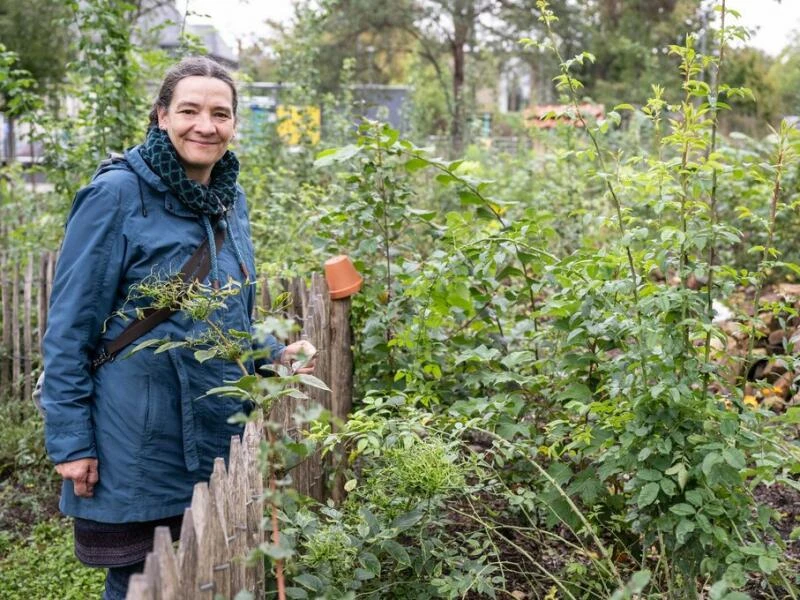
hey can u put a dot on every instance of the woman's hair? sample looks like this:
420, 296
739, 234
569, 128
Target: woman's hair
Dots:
193, 66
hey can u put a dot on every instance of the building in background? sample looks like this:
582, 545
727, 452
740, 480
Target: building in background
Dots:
272, 103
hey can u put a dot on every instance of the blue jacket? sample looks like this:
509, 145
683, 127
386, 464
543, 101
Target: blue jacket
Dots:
146, 417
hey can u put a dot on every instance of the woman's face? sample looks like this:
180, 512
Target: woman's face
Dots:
200, 123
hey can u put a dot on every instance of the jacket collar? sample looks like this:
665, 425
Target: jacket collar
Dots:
139, 166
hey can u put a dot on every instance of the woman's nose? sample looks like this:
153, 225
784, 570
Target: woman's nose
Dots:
204, 124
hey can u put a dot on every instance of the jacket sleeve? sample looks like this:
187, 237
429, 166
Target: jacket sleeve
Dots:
87, 277
261, 341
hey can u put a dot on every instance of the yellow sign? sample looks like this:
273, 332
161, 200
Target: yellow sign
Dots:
297, 124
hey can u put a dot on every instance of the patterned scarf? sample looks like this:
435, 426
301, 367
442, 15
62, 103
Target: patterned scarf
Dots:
211, 200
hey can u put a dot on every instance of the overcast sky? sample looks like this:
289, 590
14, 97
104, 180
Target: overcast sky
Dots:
244, 19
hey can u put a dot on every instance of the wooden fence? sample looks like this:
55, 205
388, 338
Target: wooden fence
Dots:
220, 528
223, 524
25, 291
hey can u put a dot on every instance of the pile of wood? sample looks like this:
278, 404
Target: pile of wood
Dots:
773, 368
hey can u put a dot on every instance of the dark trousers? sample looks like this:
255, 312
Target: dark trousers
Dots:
117, 581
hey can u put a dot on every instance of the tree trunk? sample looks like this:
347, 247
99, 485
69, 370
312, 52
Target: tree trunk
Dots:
11, 141
463, 22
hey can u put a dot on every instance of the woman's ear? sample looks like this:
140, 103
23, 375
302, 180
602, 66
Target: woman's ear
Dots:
162, 117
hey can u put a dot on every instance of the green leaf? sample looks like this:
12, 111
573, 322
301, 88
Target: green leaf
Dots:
350, 485
736, 596
396, 551
310, 581
276, 552
468, 197
711, 459
649, 475
695, 497
146, 344
228, 390
296, 592
638, 581
768, 564
169, 346
202, 356
734, 457
668, 487
312, 381
682, 509
371, 562
576, 391
648, 495
363, 574
407, 520
415, 164
334, 155
684, 528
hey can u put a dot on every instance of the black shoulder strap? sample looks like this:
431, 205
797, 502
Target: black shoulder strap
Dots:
197, 267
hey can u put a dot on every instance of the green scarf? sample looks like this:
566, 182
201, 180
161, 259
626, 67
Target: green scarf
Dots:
211, 200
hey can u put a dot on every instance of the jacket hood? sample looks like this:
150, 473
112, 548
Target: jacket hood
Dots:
140, 167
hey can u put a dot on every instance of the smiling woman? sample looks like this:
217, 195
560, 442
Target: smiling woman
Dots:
200, 123
131, 437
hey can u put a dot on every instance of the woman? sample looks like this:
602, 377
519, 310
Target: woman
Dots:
133, 436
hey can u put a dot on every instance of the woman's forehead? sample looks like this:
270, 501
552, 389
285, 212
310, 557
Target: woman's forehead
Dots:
202, 90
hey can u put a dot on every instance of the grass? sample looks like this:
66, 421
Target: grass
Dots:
43, 566
36, 547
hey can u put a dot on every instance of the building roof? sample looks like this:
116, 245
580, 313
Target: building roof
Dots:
165, 20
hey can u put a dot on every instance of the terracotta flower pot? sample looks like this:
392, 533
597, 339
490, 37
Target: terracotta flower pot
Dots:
342, 277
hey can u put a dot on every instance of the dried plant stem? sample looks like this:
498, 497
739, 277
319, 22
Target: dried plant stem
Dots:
712, 202
273, 487
766, 253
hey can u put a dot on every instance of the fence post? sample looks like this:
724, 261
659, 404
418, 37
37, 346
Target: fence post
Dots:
187, 556
5, 357
341, 370
16, 350
202, 513
317, 331
27, 329
139, 589
44, 294
253, 434
237, 524
218, 533
169, 587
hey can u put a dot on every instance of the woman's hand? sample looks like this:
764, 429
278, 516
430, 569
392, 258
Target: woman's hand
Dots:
82, 473
300, 356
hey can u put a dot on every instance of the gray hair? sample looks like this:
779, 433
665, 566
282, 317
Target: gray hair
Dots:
192, 66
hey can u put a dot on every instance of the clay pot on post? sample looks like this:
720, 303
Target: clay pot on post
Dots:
342, 277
